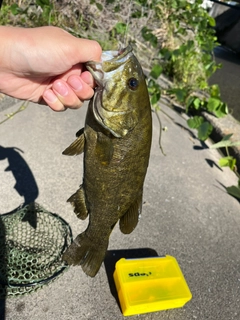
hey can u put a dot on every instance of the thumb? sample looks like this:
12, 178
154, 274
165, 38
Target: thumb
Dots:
86, 50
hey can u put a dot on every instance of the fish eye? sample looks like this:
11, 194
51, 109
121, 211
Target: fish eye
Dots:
133, 83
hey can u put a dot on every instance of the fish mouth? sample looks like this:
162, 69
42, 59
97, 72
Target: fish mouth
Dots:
110, 61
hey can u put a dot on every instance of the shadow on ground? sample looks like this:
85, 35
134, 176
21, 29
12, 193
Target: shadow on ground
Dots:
233, 191
26, 185
113, 256
27, 188
212, 164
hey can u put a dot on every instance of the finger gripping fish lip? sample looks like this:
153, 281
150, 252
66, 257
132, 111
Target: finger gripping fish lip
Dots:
111, 61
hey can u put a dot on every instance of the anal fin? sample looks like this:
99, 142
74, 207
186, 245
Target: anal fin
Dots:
78, 201
129, 220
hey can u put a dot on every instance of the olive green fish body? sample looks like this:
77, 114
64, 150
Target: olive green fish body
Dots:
116, 144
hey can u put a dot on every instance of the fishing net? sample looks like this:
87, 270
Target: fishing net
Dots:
32, 241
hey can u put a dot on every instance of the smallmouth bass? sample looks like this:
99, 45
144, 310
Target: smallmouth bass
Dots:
116, 142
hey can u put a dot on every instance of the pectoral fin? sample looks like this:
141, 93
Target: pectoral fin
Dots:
104, 148
77, 147
77, 200
129, 221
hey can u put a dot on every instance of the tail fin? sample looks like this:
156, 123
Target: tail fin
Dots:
83, 251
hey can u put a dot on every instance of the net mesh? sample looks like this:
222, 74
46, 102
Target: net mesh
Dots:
32, 241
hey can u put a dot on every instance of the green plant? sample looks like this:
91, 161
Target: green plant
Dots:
12, 114
185, 56
212, 104
229, 161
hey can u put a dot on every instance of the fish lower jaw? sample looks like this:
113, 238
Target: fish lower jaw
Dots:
96, 71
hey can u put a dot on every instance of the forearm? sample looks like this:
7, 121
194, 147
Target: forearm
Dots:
11, 39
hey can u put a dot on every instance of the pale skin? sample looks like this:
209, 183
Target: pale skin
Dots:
46, 65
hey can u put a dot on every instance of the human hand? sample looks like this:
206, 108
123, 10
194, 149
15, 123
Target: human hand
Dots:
46, 65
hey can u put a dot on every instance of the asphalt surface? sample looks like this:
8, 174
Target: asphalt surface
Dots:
228, 78
186, 213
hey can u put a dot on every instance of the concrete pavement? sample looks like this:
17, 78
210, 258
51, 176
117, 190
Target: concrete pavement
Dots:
186, 213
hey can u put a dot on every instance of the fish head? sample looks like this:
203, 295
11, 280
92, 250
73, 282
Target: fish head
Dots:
121, 91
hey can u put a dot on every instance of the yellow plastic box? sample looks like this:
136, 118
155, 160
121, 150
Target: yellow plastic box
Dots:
150, 284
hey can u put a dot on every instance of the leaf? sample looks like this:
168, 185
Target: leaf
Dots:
142, 2
228, 161
165, 53
155, 98
14, 9
222, 110
227, 137
189, 102
136, 14
180, 93
225, 142
121, 28
117, 8
156, 71
204, 130
99, 6
211, 21
195, 122
210, 65
234, 191
174, 4
197, 103
43, 3
148, 36
146, 33
212, 104
153, 87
